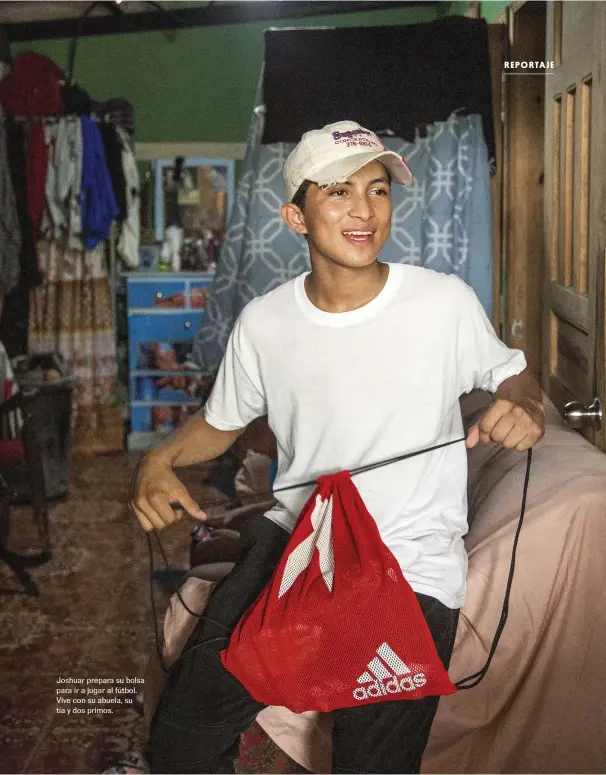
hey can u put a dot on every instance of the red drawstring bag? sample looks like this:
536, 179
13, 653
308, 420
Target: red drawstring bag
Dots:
338, 625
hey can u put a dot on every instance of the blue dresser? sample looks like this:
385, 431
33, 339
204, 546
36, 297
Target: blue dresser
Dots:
165, 311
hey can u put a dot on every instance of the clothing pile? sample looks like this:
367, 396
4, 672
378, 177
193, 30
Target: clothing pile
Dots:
80, 171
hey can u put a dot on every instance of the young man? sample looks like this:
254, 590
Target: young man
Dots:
354, 363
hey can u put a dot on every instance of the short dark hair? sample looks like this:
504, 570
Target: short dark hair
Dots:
301, 194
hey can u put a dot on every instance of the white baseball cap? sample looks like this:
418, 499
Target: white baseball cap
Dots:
330, 155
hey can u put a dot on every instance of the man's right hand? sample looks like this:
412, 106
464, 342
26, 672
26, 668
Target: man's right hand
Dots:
155, 488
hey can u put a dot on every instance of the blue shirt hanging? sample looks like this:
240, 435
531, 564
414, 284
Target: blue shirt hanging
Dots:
99, 206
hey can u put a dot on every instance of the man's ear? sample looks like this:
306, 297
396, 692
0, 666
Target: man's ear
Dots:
293, 217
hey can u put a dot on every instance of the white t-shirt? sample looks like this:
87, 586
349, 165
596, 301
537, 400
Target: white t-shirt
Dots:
344, 390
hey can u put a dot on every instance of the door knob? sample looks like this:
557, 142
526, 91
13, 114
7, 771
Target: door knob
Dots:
578, 416
187, 325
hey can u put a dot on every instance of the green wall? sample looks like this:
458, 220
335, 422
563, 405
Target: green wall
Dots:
491, 9
192, 85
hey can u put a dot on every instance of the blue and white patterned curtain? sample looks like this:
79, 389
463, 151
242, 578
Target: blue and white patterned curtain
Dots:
442, 221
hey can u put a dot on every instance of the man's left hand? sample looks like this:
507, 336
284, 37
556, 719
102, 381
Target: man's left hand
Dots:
515, 425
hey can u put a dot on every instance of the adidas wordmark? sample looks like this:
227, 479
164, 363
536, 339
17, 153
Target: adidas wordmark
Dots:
387, 674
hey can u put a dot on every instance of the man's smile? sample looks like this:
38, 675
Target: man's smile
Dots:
358, 236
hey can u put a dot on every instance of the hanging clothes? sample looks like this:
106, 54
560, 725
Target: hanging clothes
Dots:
53, 217
15, 311
37, 164
33, 87
16, 143
69, 177
64, 180
120, 112
10, 230
113, 158
99, 207
130, 234
77, 100
71, 313
5, 52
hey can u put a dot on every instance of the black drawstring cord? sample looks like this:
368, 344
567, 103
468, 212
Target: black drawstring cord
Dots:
150, 552
175, 590
370, 467
475, 678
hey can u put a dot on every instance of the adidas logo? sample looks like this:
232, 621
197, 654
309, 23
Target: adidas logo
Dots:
387, 674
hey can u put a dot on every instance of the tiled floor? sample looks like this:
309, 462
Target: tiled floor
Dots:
92, 619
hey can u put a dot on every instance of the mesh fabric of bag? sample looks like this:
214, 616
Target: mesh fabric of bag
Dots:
338, 625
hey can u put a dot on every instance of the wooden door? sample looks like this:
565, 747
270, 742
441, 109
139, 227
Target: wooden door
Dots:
575, 202
523, 185
497, 50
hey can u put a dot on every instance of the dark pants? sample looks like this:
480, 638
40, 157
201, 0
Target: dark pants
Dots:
204, 709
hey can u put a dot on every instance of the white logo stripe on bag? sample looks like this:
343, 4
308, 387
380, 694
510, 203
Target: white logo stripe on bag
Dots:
321, 538
378, 669
389, 656
378, 681
365, 678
